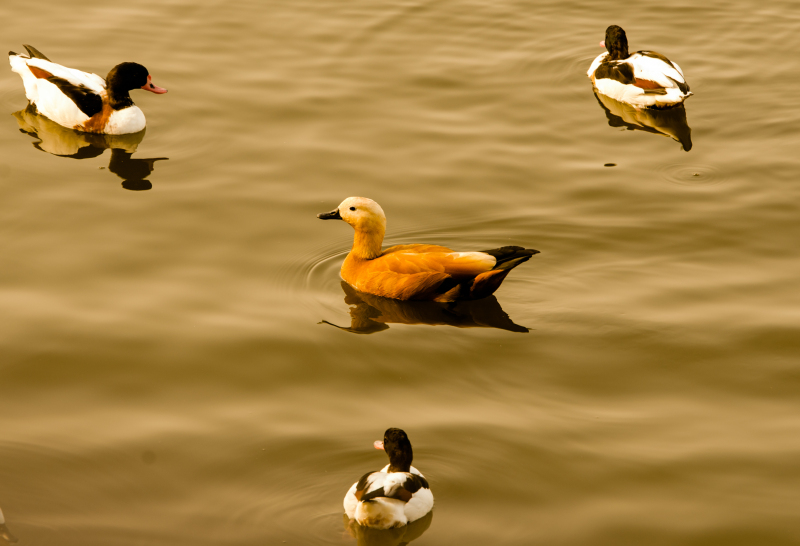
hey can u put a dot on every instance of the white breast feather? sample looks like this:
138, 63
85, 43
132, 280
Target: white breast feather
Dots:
125, 121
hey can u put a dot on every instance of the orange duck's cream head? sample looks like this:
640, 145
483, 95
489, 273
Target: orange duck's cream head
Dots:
367, 218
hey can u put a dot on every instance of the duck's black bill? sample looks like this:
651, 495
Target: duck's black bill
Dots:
332, 215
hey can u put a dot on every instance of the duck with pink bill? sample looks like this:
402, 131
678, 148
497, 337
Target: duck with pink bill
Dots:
644, 79
393, 496
83, 101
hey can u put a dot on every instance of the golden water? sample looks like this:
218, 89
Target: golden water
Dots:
169, 373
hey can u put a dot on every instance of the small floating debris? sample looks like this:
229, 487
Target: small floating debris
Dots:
610, 165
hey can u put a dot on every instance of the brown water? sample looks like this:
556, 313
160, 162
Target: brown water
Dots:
166, 376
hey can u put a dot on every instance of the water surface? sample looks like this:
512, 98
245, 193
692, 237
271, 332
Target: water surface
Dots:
166, 372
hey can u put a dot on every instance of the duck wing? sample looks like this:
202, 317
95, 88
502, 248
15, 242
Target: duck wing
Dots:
413, 259
82, 88
400, 286
394, 485
75, 77
619, 71
652, 70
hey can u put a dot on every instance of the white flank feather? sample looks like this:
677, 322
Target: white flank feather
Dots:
656, 70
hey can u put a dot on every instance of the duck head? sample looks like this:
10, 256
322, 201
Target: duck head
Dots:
616, 43
398, 447
368, 220
126, 77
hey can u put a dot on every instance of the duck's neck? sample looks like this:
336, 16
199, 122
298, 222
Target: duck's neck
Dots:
618, 49
367, 243
401, 462
119, 100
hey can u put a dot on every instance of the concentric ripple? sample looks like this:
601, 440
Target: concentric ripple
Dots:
691, 175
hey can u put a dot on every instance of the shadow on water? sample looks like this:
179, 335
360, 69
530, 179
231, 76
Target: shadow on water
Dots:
388, 537
57, 140
370, 314
669, 122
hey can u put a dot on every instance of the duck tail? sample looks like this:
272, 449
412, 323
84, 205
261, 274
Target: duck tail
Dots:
509, 257
35, 53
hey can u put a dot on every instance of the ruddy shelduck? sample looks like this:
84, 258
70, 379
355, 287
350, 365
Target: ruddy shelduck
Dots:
393, 496
83, 101
417, 271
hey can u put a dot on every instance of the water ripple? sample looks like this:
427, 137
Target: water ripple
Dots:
692, 175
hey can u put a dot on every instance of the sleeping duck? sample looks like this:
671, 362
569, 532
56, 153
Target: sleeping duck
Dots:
644, 79
82, 101
417, 271
396, 495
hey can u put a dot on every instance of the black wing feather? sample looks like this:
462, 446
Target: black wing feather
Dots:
362, 482
89, 102
621, 72
415, 483
411, 485
379, 492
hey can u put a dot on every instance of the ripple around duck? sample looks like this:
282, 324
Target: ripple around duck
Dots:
317, 270
691, 175
314, 275
314, 280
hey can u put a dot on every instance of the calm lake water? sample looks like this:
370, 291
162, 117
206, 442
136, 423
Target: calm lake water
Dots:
166, 374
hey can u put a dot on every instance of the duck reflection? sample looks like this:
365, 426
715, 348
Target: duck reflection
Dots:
57, 140
370, 314
669, 121
5, 534
398, 536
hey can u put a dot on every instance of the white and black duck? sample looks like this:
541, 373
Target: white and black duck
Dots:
644, 79
83, 101
394, 496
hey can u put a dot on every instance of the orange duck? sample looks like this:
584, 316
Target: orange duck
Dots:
417, 272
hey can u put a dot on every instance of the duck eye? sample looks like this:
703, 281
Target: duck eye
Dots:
352, 208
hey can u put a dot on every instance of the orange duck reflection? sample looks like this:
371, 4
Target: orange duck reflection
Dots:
5, 534
398, 536
669, 122
57, 140
370, 314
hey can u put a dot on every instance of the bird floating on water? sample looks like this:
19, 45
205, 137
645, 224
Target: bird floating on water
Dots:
645, 79
417, 271
394, 496
82, 101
